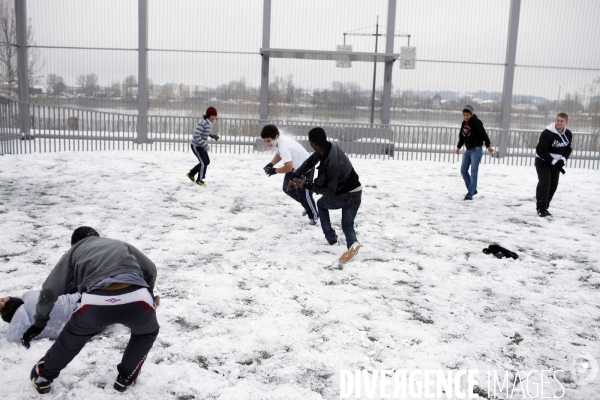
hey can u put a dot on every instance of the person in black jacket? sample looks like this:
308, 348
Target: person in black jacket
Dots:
337, 182
473, 135
552, 152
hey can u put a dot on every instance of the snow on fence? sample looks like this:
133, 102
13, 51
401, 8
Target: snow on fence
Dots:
67, 129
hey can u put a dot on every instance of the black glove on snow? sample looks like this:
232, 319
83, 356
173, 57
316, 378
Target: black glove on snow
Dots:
500, 251
30, 334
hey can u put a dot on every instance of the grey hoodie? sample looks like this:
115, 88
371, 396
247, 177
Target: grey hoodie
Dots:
88, 262
60, 315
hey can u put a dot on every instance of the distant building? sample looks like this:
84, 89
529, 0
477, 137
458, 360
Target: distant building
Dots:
524, 108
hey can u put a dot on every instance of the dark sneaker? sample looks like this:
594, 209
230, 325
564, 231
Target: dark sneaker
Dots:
543, 213
189, 175
201, 183
41, 385
467, 197
475, 193
121, 384
313, 222
332, 242
548, 213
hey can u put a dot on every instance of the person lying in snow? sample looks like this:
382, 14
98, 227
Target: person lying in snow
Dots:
20, 312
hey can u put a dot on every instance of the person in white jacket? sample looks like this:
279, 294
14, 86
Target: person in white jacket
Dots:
20, 312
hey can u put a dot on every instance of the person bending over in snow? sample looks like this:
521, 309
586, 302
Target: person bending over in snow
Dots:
200, 147
337, 182
116, 281
293, 155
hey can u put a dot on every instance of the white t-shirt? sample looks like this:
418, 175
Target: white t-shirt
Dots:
290, 150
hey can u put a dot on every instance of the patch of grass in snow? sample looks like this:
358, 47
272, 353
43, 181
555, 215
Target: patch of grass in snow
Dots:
186, 325
202, 362
244, 229
307, 312
237, 205
516, 339
488, 292
541, 280
188, 397
481, 393
418, 317
316, 381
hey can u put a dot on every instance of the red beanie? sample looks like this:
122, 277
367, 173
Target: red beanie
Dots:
211, 111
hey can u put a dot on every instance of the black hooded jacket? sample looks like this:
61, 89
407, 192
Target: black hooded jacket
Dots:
336, 173
477, 135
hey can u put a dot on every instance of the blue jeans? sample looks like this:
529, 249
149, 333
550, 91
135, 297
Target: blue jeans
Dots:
349, 203
472, 157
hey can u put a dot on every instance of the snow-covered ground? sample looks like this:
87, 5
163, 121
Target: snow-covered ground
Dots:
254, 304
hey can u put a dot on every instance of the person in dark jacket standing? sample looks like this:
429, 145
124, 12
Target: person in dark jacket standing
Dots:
338, 184
116, 281
200, 147
551, 154
473, 135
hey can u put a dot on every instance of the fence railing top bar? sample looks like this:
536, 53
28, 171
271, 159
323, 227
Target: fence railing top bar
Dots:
281, 122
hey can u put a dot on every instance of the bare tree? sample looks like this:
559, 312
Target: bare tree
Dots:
56, 83
128, 84
8, 50
88, 83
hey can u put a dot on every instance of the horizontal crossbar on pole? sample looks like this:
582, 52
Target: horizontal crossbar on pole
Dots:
329, 55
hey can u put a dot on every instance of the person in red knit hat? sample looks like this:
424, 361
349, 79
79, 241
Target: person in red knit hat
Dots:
200, 147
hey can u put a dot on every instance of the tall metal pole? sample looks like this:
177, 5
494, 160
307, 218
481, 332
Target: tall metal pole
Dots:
509, 76
23, 64
264, 76
386, 99
142, 121
374, 72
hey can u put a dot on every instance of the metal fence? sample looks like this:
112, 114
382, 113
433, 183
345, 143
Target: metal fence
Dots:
278, 59
55, 129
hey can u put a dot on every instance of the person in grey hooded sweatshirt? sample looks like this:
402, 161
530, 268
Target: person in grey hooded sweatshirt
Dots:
116, 281
552, 152
19, 313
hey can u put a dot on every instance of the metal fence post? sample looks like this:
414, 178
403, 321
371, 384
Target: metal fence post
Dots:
509, 76
264, 76
21, 20
389, 65
142, 120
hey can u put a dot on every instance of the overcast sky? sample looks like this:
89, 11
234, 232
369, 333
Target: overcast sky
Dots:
226, 36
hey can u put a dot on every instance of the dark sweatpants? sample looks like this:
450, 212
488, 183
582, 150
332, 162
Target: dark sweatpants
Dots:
302, 196
90, 319
203, 161
547, 183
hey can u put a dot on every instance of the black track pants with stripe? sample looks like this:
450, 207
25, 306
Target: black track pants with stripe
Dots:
131, 306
